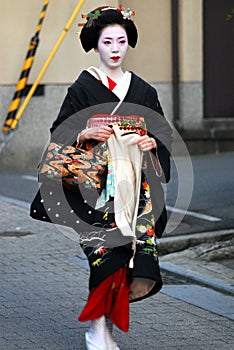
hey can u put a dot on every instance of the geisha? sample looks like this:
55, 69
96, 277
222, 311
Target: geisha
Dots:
125, 267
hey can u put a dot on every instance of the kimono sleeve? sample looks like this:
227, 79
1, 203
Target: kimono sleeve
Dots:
74, 101
162, 133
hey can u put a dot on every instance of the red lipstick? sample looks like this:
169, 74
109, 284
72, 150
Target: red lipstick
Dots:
115, 58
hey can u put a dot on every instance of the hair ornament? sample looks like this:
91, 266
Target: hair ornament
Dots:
91, 16
126, 12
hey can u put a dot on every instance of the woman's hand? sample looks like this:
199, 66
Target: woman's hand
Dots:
145, 143
100, 133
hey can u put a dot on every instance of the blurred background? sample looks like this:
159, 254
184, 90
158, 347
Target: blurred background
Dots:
185, 50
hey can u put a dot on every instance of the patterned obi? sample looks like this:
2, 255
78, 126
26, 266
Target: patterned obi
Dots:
128, 124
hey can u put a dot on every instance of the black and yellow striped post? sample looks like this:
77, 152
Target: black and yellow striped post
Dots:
27, 65
10, 126
45, 66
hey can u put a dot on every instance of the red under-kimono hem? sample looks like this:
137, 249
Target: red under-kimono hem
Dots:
111, 298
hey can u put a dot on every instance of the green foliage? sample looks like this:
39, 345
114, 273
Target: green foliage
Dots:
230, 15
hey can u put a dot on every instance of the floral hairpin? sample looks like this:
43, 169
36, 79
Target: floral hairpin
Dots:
126, 12
91, 16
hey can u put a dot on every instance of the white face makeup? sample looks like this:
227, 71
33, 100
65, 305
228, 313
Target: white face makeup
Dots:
112, 47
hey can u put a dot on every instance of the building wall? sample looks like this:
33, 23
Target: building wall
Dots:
191, 63
151, 59
152, 56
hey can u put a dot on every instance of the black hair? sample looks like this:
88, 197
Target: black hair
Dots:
91, 31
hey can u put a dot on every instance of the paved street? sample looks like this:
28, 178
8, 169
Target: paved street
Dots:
44, 276
44, 287
212, 202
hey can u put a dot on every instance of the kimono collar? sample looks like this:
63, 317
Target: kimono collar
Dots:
121, 88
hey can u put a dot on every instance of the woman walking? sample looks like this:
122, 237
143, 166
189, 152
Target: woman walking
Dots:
133, 140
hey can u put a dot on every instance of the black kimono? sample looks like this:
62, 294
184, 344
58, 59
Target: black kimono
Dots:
88, 96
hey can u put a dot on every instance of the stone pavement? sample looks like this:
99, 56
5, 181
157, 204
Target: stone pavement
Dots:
206, 258
44, 283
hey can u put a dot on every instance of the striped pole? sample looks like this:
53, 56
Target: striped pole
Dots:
27, 65
46, 65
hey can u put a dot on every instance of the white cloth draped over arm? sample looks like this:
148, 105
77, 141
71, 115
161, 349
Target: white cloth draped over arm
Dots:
127, 162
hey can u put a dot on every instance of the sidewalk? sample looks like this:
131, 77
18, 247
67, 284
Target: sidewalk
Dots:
44, 287
205, 258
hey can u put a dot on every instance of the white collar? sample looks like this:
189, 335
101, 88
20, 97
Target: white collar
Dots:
121, 88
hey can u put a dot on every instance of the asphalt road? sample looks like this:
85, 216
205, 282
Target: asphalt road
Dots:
212, 193
208, 179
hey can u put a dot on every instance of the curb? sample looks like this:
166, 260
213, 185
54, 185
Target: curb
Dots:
198, 278
178, 243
